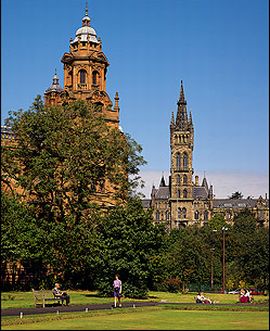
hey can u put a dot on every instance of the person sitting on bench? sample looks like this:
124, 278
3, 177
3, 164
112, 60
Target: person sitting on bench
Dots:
60, 294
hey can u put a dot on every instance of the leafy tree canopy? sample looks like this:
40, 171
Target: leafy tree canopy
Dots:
65, 155
236, 195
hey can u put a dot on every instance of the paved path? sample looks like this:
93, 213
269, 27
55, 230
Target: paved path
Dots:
70, 308
88, 307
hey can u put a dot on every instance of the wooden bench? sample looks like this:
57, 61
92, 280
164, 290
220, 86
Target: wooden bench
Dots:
43, 296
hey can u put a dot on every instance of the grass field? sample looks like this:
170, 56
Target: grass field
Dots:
163, 317
25, 299
147, 318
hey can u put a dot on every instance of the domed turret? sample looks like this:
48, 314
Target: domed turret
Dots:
55, 87
52, 94
86, 32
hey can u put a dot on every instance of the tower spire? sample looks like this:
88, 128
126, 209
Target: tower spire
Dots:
182, 117
182, 95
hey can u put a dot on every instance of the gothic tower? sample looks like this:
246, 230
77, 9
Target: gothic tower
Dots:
181, 143
85, 69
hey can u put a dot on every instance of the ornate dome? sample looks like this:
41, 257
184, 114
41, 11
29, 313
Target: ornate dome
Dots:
55, 87
84, 33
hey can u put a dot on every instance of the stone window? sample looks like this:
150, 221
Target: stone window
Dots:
178, 180
185, 161
185, 179
184, 211
178, 161
196, 215
95, 78
185, 193
82, 76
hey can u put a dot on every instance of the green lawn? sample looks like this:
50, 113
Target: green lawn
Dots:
26, 300
165, 317
146, 318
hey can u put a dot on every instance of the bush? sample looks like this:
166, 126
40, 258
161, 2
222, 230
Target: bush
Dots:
172, 284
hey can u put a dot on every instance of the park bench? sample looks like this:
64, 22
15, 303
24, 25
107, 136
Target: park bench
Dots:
43, 297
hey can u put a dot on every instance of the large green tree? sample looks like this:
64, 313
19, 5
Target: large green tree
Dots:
131, 245
64, 155
249, 250
24, 245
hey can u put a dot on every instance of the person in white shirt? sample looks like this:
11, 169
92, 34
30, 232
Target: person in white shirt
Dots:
117, 290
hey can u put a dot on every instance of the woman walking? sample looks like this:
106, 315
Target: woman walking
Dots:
117, 290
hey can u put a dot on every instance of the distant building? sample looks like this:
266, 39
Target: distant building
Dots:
185, 202
85, 70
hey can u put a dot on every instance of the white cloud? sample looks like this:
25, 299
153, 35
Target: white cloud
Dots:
224, 183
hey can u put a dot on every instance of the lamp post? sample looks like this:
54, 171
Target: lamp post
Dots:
212, 270
223, 260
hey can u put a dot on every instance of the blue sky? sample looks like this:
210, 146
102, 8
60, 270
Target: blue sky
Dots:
219, 48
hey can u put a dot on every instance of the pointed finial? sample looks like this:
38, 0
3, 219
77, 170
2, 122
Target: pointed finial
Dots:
162, 181
172, 119
204, 174
55, 78
116, 102
190, 117
86, 18
86, 8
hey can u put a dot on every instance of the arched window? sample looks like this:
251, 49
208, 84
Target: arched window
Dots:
205, 215
196, 215
185, 193
178, 161
185, 179
179, 213
185, 160
178, 194
157, 216
95, 78
167, 215
184, 211
82, 76
178, 180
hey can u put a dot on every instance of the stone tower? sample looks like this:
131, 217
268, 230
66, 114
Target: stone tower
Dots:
85, 70
181, 144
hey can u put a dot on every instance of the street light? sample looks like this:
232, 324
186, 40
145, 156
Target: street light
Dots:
223, 229
212, 270
223, 260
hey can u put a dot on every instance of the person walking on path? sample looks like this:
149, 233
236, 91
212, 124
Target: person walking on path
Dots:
117, 290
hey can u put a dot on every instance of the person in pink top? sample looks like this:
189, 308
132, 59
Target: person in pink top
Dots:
117, 290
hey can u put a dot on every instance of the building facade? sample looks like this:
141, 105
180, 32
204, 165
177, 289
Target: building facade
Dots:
85, 75
184, 201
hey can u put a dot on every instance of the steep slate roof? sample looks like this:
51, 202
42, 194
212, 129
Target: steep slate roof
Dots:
234, 203
200, 192
163, 193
